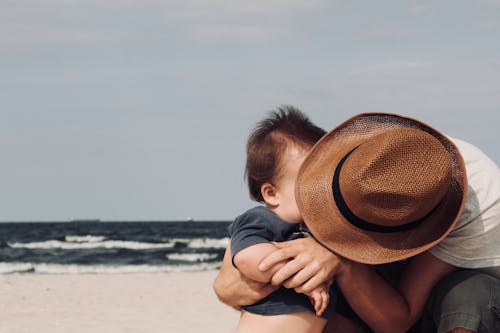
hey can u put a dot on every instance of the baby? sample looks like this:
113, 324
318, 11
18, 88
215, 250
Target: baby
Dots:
276, 149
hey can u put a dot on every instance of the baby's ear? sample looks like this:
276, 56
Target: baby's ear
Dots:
269, 194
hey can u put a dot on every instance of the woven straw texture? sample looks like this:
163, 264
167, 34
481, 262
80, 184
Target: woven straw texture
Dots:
400, 170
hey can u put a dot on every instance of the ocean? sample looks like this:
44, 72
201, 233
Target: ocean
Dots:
111, 247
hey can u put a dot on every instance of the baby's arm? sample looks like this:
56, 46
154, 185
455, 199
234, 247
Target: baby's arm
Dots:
248, 259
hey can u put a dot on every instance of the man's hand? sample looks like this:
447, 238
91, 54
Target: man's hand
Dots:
310, 264
236, 290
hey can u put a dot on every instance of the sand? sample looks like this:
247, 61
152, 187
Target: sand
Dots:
161, 302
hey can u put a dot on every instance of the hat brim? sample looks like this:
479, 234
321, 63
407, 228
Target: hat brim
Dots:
314, 195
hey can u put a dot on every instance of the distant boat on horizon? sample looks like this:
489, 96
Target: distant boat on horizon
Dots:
85, 220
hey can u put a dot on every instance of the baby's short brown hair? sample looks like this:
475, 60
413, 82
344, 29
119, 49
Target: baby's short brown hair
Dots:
270, 138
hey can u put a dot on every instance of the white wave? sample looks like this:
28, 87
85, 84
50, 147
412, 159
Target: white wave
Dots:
193, 257
93, 242
84, 239
109, 244
12, 268
214, 243
21, 267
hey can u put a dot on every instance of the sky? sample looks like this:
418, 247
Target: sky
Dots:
140, 110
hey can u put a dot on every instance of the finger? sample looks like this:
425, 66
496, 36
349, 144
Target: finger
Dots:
321, 308
326, 300
315, 299
312, 283
318, 305
304, 275
286, 272
275, 257
317, 308
287, 250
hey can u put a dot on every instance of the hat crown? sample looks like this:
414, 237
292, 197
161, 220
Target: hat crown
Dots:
396, 178
404, 191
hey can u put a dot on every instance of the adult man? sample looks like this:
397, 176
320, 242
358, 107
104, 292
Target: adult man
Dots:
436, 224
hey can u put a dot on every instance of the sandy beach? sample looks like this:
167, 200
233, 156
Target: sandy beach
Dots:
159, 302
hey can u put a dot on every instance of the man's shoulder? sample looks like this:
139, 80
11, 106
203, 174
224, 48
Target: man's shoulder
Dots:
483, 178
474, 158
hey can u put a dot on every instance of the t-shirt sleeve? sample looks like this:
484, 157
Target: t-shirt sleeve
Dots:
247, 230
473, 242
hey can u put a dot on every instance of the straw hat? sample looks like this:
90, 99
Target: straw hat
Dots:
381, 188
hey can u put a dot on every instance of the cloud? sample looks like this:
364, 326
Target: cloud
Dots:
453, 86
419, 8
491, 26
31, 24
487, 2
390, 68
232, 9
254, 21
58, 22
34, 34
224, 32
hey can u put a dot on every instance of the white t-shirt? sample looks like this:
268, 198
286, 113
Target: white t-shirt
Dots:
475, 240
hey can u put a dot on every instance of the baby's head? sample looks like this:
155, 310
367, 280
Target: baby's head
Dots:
275, 150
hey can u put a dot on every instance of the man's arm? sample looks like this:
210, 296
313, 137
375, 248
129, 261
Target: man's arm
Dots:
418, 280
382, 307
387, 309
235, 289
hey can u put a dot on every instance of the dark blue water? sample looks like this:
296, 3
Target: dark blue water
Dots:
111, 247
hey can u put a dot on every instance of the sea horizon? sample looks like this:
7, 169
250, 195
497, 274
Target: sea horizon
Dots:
97, 247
